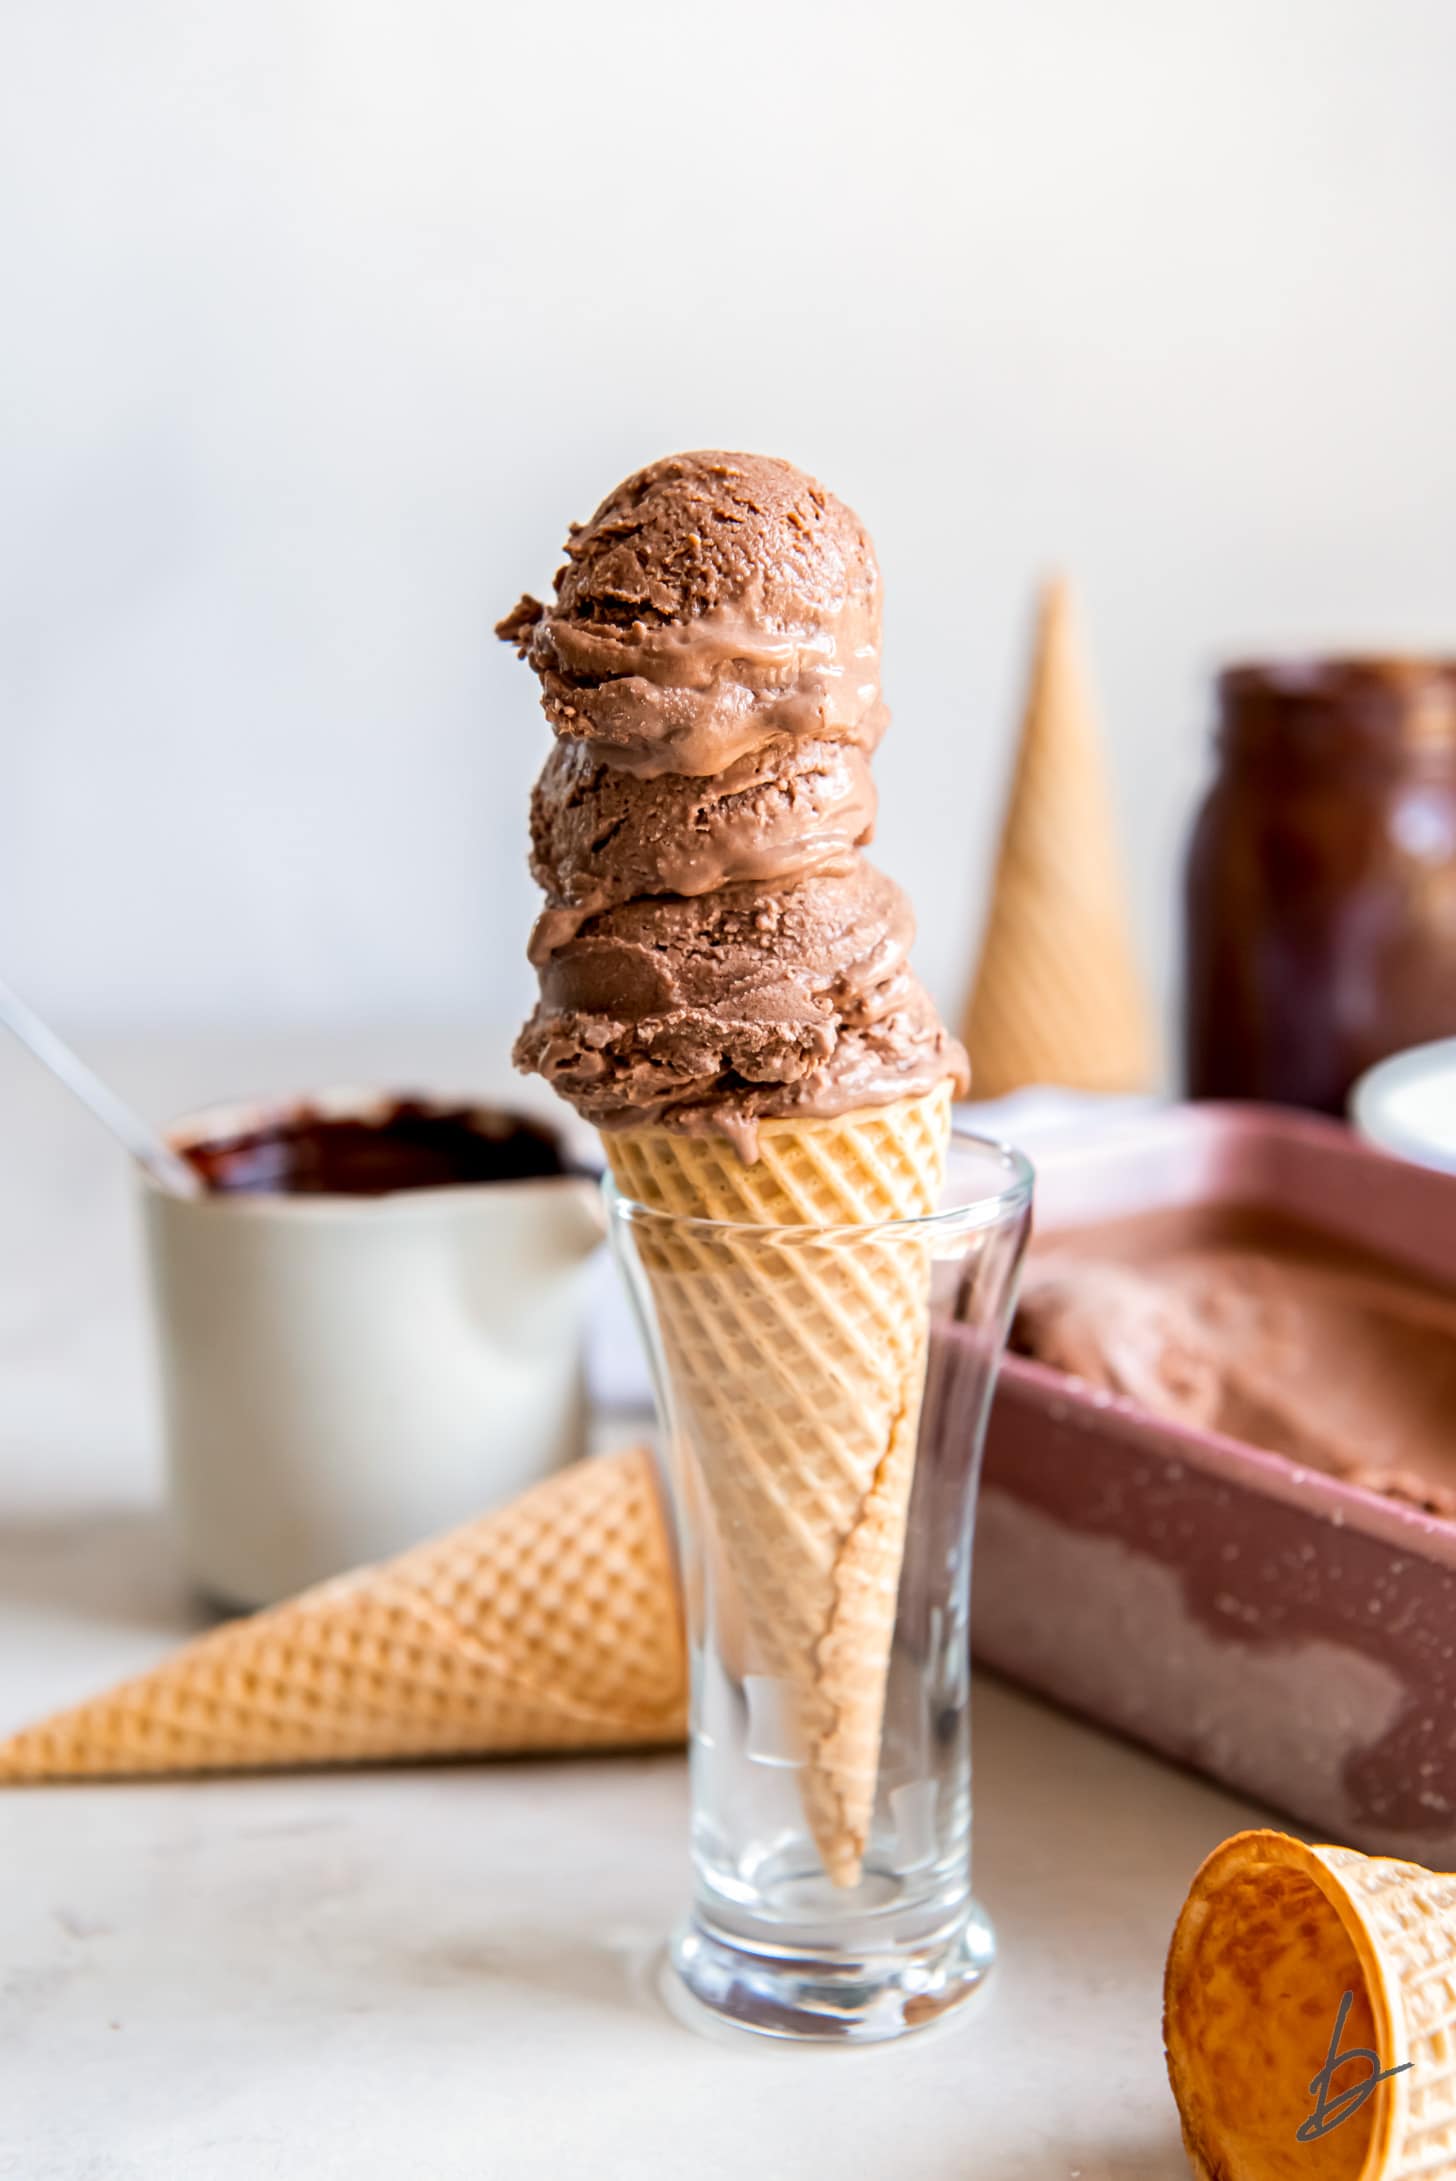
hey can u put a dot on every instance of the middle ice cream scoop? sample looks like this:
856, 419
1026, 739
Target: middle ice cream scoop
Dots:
600, 836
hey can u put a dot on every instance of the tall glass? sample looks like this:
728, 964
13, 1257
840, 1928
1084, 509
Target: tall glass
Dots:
822, 1393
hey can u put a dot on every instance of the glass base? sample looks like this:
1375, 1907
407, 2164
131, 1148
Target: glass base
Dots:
859, 1998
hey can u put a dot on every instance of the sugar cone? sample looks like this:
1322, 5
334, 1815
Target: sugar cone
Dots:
1271, 1937
795, 1377
552, 1624
1057, 996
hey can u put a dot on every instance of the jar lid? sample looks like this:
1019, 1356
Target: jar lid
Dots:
1371, 701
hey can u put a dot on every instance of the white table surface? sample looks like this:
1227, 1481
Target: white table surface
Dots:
452, 1972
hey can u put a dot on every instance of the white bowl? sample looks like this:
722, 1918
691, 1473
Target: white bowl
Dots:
1407, 1105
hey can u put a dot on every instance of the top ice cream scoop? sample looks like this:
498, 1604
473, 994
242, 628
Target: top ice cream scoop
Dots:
710, 668
712, 601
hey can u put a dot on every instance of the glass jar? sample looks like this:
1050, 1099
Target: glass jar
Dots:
1321, 878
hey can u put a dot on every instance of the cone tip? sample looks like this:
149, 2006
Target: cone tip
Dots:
1056, 609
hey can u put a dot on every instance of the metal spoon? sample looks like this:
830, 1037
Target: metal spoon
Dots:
167, 1169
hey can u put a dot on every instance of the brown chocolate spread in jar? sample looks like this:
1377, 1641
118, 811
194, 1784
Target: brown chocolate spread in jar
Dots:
402, 1143
1321, 878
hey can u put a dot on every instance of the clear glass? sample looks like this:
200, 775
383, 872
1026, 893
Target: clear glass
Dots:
822, 1393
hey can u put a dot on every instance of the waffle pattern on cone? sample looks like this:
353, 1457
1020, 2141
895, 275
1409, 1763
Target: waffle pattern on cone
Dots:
796, 1375
1272, 1936
552, 1624
1409, 1914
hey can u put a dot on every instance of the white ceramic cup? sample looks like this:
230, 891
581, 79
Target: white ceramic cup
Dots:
344, 1375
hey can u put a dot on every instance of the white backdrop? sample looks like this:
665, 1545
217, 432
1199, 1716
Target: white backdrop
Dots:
323, 317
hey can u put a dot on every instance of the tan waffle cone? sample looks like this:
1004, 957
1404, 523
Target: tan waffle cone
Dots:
1272, 1935
552, 1624
1057, 996
796, 1378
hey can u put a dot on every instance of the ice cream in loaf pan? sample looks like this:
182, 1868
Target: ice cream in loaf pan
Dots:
1232, 1319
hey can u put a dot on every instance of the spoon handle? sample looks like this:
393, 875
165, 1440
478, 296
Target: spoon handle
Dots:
167, 1169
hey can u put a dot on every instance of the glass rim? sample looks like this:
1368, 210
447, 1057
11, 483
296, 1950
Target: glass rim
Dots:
984, 1208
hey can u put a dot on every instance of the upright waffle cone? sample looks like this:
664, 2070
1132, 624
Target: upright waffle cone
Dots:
552, 1624
1272, 1936
796, 1377
1057, 995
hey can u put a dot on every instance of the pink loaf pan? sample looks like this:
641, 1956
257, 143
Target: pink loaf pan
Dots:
1290, 1635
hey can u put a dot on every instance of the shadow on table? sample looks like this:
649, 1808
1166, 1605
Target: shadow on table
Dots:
616, 1970
105, 1566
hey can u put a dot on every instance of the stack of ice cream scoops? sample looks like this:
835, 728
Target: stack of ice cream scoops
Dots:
715, 953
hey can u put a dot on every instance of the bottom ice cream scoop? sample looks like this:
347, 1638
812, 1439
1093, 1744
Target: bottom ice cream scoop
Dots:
745, 1004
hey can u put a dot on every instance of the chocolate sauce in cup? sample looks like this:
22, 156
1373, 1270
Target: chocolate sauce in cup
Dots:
370, 1328
404, 1143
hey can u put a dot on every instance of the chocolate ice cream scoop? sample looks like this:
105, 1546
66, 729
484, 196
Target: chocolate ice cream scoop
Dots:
713, 601
748, 1001
600, 836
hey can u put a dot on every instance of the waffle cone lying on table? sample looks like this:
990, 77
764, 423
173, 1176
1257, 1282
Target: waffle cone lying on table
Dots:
1284, 1957
552, 1624
725, 992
